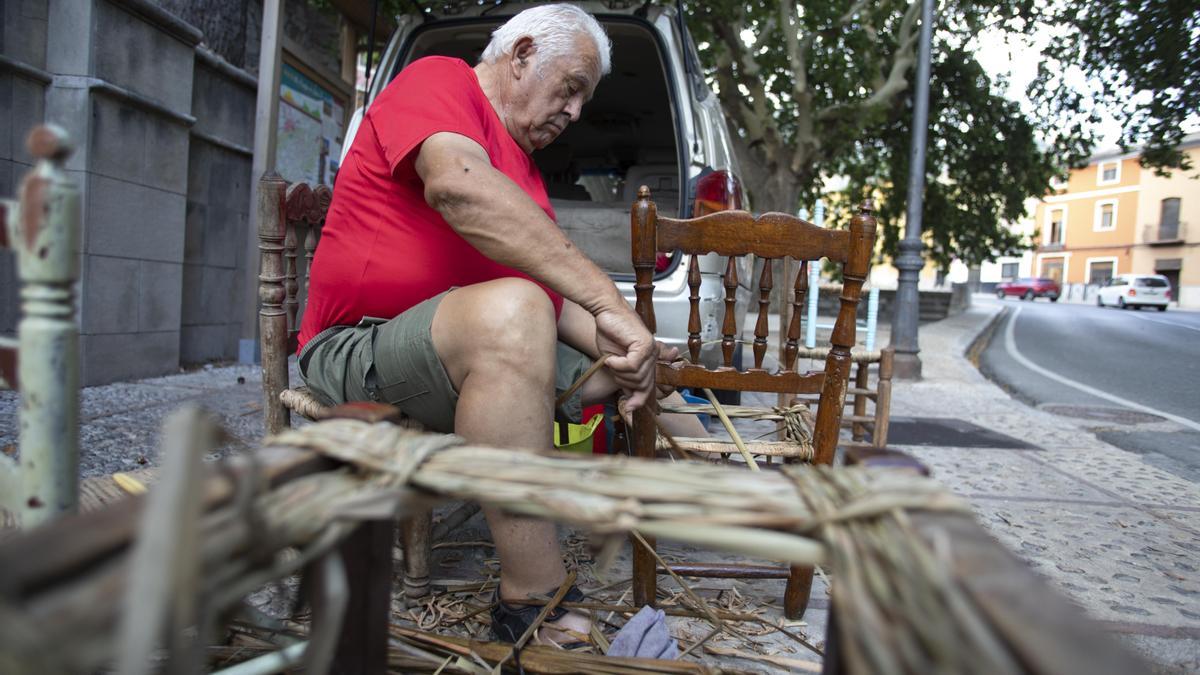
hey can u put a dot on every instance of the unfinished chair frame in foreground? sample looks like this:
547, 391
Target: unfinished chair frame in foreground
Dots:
769, 236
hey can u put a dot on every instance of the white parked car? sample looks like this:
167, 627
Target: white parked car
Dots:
1136, 291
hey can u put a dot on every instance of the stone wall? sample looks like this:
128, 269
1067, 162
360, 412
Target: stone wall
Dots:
218, 202
23, 80
129, 111
161, 115
935, 305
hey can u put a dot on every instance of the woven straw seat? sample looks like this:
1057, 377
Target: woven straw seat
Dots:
797, 422
301, 401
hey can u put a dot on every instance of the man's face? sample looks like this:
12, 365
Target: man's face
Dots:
549, 95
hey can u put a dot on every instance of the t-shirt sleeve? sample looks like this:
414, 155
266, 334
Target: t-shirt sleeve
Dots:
431, 95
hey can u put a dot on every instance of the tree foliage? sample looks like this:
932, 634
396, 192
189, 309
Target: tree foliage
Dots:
825, 90
1143, 58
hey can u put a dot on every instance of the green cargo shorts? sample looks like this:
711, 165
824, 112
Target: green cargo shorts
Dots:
394, 361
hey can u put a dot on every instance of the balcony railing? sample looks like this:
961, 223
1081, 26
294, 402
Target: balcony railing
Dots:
1161, 234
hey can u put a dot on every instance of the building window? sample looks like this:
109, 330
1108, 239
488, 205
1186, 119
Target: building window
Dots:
1058, 221
1010, 270
1168, 220
1054, 268
1106, 216
1108, 173
1100, 272
1058, 184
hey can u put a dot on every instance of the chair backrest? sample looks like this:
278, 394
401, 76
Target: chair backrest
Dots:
769, 236
283, 210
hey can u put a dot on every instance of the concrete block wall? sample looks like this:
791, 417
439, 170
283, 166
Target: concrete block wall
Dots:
129, 111
219, 166
23, 81
935, 305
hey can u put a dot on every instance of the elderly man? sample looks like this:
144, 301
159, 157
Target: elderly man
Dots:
443, 285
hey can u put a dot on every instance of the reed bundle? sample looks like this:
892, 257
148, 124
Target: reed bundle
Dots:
901, 604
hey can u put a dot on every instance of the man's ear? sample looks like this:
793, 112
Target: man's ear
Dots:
522, 55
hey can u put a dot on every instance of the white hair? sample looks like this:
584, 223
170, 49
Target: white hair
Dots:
554, 29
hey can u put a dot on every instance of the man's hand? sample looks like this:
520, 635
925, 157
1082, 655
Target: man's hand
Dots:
631, 349
667, 354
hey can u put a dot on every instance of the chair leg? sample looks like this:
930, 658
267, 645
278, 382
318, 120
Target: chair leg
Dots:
367, 554
645, 568
797, 592
883, 398
418, 549
858, 430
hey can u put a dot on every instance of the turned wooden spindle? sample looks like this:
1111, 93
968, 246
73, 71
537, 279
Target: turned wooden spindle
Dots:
644, 253
272, 318
291, 285
43, 229
643, 221
694, 313
729, 327
792, 347
761, 328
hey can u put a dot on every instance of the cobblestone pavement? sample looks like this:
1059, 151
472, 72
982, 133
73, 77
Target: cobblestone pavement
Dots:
1115, 534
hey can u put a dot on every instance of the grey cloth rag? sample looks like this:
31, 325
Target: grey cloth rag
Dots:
645, 636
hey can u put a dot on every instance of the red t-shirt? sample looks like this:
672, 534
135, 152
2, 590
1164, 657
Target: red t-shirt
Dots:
383, 249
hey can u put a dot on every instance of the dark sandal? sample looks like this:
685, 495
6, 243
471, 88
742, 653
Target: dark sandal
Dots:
509, 622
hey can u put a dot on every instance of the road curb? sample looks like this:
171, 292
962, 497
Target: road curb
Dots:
984, 337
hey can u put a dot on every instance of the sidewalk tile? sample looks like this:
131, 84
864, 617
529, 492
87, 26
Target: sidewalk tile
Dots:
1119, 563
1128, 475
1001, 473
1040, 429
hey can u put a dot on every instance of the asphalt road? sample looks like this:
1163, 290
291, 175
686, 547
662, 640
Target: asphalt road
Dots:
1135, 373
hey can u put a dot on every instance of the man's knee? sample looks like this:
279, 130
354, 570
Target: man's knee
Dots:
507, 322
518, 305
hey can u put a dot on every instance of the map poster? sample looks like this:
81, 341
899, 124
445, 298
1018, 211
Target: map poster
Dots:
310, 129
298, 145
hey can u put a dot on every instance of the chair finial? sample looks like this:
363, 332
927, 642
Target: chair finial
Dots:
643, 192
868, 206
48, 141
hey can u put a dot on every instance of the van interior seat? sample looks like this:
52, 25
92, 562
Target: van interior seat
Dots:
662, 179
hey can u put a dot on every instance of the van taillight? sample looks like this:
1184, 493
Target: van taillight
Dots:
718, 191
1168, 294
1132, 292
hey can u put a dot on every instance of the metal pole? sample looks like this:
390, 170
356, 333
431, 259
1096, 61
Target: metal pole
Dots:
910, 262
266, 115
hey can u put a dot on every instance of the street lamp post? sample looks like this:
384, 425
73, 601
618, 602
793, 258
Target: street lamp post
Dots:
910, 262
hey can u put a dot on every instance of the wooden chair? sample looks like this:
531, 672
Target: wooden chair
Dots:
287, 212
867, 390
769, 236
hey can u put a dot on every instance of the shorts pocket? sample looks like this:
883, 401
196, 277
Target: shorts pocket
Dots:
388, 377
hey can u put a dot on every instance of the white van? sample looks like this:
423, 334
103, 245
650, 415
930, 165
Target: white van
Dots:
1136, 291
652, 121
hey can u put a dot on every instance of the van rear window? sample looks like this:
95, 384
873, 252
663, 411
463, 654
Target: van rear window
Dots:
1152, 283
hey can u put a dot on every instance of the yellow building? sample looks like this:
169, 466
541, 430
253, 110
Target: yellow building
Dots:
1113, 217
1168, 228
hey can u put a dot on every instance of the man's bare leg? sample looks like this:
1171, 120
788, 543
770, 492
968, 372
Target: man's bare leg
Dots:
497, 341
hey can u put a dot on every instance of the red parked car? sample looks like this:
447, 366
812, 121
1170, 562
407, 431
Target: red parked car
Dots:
1029, 288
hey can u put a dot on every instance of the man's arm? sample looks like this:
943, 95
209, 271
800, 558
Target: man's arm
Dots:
496, 216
